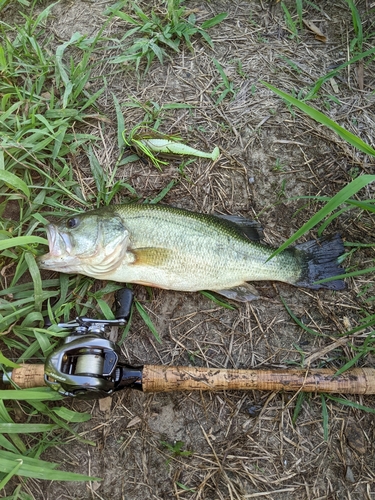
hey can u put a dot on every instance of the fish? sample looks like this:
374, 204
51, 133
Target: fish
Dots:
177, 249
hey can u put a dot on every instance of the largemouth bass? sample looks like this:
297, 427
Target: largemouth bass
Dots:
175, 249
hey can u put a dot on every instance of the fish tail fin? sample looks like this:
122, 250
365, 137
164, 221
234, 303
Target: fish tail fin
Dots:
319, 260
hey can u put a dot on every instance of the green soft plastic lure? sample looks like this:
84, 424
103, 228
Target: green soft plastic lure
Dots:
153, 144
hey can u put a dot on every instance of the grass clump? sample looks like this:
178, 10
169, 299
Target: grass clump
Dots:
44, 101
152, 35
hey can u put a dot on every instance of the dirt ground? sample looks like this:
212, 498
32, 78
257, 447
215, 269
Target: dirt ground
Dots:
243, 445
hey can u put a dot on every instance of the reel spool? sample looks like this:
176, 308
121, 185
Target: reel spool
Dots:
89, 362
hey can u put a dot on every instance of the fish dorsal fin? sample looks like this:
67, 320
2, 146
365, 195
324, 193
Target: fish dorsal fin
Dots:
249, 228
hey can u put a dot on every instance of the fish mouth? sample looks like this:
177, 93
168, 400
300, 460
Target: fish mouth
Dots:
60, 248
59, 242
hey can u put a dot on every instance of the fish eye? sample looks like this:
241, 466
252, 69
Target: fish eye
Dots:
73, 222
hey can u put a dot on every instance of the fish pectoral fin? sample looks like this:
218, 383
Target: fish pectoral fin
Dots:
150, 256
249, 228
241, 293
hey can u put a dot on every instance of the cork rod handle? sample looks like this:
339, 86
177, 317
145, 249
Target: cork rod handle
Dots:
180, 378
28, 376
185, 378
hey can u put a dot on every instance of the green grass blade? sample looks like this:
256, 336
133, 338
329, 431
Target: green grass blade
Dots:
7, 445
37, 280
120, 122
214, 20
7, 362
163, 192
37, 469
6, 428
349, 403
299, 5
146, 318
316, 115
331, 218
298, 408
20, 241
221, 72
298, 321
350, 363
11, 473
352, 274
357, 23
216, 300
14, 182
289, 20
71, 416
40, 394
333, 73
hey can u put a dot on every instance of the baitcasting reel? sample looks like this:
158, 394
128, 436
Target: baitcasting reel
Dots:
87, 366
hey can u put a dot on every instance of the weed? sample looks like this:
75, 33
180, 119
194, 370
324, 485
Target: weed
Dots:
291, 63
290, 23
324, 120
280, 194
239, 68
356, 45
225, 87
176, 449
185, 488
278, 167
152, 35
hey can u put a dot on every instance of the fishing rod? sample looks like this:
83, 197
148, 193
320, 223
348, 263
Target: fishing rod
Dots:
88, 366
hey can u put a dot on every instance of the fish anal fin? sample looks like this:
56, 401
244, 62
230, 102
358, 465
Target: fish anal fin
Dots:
150, 256
242, 293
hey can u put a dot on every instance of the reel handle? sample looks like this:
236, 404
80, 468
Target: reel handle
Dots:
123, 301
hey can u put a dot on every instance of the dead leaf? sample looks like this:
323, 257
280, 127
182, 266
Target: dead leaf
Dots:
105, 405
334, 85
134, 421
318, 34
95, 485
349, 476
355, 437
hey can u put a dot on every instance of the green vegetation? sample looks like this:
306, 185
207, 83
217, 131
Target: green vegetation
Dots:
43, 107
176, 449
153, 35
225, 87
